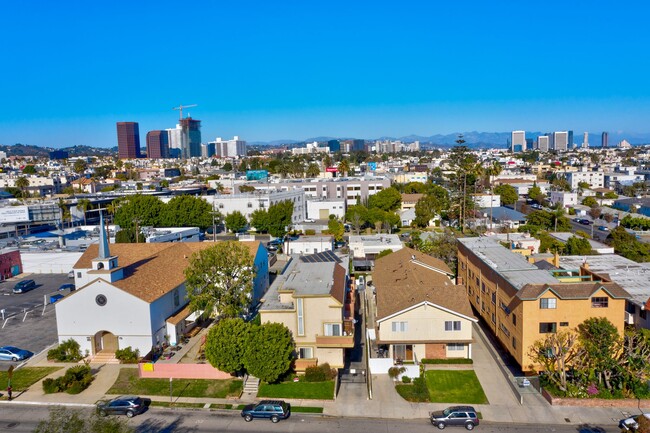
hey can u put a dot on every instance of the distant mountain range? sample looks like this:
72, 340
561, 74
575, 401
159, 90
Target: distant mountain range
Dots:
30, 150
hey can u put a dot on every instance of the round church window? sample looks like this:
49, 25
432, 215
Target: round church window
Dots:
101, 300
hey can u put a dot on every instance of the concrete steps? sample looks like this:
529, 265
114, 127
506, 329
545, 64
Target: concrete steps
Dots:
104, 358
251, 385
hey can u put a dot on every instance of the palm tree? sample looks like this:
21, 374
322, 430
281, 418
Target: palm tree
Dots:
313, 170
83, 205
344, 167
22, 182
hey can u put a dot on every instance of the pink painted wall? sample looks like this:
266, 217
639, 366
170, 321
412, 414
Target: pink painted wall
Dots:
182, 371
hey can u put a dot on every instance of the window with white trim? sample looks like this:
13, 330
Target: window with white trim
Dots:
455, 346
305, 352
301, 318
548, 303
452, 325
333, 329
400, 326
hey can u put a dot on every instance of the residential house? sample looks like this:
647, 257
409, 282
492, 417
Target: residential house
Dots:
312, 299
311, 245
420, 312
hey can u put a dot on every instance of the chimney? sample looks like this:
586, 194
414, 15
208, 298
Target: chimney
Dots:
556, 260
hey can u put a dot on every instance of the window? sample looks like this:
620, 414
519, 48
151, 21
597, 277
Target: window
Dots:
455, 346
78, 274
400, 326
483, 286
220, 205
250, 204
452, 325
301, 318
305, 352
643, 314
564, 323
177, 300
494, 298
504, 330
597, 302
547, 327
333, 329
494, 318
548, 303
514, 342
514, 319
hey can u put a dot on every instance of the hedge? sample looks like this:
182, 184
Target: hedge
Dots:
447, 361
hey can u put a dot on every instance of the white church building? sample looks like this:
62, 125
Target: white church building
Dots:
134, 295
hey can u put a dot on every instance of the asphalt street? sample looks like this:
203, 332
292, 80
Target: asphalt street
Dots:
15, 418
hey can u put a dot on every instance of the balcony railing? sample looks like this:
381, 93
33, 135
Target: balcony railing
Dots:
337, 341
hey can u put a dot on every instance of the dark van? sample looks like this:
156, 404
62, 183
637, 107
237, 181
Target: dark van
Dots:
24, 286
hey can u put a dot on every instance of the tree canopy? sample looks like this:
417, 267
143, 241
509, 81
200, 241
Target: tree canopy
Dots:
270, 352
388, 199
226, 343
235, 221
220, 279
146, 210
508, 193
577, 246
187, 211
431, 204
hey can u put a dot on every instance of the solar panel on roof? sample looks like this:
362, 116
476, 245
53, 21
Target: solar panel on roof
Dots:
325, 256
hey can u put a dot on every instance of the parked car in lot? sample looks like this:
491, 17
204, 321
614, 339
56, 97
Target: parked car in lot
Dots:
128, 405
68, 286
632, 423
24, 286
275, 410
464, 416
603, 228
11, 353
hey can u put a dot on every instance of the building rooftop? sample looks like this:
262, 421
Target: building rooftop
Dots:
502, 213
511, 266
630, 275
376, 240
595, 245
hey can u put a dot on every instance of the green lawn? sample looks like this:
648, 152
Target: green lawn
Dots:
23, 378
454, 386
128, 382
298, 390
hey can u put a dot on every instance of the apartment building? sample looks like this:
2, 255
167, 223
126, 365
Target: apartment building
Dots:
312, 299
248, 203
595, 179
522, 303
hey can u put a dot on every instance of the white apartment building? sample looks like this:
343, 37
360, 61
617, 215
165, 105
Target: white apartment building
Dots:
42, 185
250, 202
543, 143
560, 141
487, 200
595, 179
408, 177
310, 245
310, 149
566, 199
518, 141
321, 209
229, 148
368, 246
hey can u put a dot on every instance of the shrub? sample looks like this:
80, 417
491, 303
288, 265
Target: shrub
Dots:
310, 232
128, 355
319, 373
75, 380
67, 351
393, 372
406, 379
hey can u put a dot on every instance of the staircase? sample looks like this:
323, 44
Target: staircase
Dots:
102, 357
251, 385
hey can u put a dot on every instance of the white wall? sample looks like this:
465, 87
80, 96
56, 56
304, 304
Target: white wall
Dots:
49, 263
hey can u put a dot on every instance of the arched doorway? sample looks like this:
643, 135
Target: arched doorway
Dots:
105, 342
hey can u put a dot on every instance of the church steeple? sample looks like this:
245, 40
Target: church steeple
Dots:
104, 252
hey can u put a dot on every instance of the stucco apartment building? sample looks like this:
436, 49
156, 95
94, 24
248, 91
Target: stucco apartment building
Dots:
420, 312
522, 303
312, 299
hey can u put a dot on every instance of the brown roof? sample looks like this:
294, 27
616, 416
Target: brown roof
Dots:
338, 288
151, 270
400, 283
411, 198
572, 290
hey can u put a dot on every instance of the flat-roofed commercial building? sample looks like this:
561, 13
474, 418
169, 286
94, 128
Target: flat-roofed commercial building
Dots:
522, 303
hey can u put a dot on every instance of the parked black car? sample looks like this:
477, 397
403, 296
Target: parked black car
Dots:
128, 405
24, 286
275, 410
457, 416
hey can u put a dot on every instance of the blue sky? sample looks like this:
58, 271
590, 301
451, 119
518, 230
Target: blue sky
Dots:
298, 69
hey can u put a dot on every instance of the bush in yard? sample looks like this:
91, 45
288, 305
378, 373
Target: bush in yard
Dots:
406, 379
68, 351
319, 373
270, 351
310, 232
75, 380
128, 355
393, 372
226, 343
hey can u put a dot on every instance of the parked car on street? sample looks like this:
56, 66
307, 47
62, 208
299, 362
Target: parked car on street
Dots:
128, 405
24, 286
11, 353
631, 423
603, 228
464, 416
585, 222
275, 410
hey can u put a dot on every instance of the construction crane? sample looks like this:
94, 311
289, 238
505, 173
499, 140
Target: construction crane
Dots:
180, 108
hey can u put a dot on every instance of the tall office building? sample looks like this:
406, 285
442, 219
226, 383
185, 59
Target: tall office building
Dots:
518, 141
190, 137
570, 143
157, 144
603, 140
529, 144
560, 141
230, 148
353, 145
585, 140
542, 143
128, 140
334, 145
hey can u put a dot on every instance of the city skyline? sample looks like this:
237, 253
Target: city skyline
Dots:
268, 72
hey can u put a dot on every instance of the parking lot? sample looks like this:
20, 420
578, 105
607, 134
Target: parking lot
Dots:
26, 323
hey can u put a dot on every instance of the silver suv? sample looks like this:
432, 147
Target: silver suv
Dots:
457, 416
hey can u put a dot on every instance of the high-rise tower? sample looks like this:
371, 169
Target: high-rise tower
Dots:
190, 137
157, 144
603, 140
128, 140
518, 141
